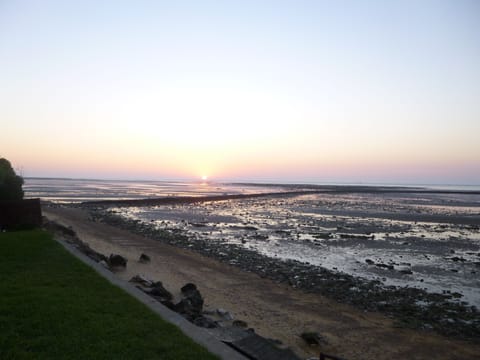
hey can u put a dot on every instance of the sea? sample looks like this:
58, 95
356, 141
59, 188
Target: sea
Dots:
80, 190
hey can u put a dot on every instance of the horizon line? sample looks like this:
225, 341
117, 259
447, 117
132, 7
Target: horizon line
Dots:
252, 181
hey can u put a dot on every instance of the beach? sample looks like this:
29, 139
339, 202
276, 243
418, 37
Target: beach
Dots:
273, 308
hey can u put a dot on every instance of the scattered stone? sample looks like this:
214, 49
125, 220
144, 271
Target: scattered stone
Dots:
142, 280
369, 262
324, 236
198, 224
240, 324
311, 338
205, 322
169, 304
92, 254
364, 294
159, 291
224, 314
390, 267
116, 261
144, 259
67, 230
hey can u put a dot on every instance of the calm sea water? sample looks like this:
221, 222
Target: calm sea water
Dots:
78, 190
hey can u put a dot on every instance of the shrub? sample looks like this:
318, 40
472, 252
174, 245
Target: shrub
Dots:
10, 182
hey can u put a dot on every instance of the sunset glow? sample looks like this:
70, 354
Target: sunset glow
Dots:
323, 91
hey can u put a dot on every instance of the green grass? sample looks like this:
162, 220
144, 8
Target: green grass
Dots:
52, 306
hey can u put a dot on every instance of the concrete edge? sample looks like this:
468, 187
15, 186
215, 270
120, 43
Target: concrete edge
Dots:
197, 334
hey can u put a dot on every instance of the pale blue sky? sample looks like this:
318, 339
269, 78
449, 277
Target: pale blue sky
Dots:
288, 90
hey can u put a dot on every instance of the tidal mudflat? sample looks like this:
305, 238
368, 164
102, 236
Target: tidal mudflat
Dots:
415, 256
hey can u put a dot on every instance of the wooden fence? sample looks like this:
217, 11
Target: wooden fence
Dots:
20, 214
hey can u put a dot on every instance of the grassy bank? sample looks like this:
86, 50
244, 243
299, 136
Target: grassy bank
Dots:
54, 306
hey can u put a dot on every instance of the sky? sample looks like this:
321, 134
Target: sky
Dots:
297, 91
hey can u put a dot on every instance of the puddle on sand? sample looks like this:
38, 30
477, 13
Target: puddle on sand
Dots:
433, 256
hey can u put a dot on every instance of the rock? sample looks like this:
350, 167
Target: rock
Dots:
192, 304
311, 338
92, 254
389, 267
142, 280
188, 288
67, 230
224, 314
369, 262
198, 224
144, 259
205, 322
240, 324
169, 304
159, 291
116, 260
324, 236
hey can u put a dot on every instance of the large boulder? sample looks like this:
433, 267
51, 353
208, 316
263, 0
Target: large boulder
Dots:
188, 289
191, 305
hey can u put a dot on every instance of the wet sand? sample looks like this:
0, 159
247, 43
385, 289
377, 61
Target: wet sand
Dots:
274, 310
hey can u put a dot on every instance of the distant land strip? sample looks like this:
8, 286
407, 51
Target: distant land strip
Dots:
194, 199
364, 188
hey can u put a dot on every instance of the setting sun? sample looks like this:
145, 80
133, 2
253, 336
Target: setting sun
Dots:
204, 177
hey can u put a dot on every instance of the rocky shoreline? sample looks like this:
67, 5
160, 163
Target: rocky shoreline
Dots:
220, 323
410, 307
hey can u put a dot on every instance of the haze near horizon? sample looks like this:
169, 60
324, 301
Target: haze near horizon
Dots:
297, 91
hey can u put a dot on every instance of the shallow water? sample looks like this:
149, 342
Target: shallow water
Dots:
75, 190
442, 257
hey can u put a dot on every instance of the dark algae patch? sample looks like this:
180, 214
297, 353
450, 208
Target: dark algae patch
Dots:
410, 307
52, 306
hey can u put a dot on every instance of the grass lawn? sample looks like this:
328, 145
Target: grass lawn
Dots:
52, 306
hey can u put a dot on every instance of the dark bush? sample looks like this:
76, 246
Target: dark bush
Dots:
10, 182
